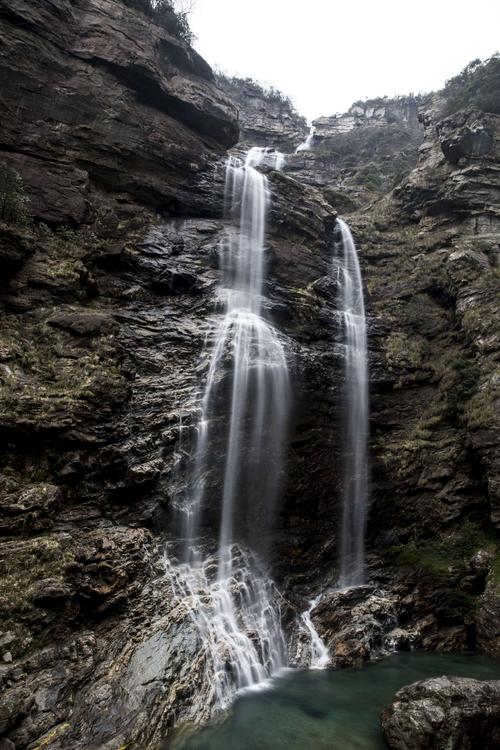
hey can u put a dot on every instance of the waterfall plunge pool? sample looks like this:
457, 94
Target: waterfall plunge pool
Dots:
328, 710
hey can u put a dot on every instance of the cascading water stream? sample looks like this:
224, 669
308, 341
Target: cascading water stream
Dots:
227, 592
307, 144
319, 655
244, 410
355, 500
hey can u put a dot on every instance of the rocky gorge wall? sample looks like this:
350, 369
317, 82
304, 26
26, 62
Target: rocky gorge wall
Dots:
108, 118
105, 310
105, 313
429, 253
433, 341
363, 153
103, 106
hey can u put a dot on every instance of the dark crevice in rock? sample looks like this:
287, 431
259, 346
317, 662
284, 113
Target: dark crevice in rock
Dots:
150, 93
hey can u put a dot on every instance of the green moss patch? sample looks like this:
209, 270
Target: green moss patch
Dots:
444, 555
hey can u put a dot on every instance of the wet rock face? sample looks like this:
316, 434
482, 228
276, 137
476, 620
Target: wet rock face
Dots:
72, 573
488, 620
354, 624
396, 611
457, 173
456, 713
432, 281
116, 119
111, 106
101, 355
429, 257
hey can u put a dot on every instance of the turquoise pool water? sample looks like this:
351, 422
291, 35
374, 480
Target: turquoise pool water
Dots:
335, 710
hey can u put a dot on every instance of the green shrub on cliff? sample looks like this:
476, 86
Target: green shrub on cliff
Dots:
369, 176
476, 87
254, 87
14, 203
171, 14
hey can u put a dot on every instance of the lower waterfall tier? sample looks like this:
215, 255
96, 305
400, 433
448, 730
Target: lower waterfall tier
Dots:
238, 619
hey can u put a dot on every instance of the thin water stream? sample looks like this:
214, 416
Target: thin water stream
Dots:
353, 321
308, 143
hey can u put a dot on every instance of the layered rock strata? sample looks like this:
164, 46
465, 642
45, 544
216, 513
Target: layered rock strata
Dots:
266, 118
358, 156
101, 105
429, 255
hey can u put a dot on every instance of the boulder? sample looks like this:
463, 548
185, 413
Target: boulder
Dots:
444, 713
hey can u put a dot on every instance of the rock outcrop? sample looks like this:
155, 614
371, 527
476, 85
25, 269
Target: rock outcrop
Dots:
101, 105
362, 154
452, 713
488, 619
433, 285
107, 118
429, 256
266, 117
102, 331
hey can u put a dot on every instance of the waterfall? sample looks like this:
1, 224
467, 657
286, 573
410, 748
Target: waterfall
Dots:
266, 156
244, 411
307, 145
355, 499
319, 654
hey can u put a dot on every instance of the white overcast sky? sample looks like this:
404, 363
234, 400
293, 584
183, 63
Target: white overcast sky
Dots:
326, 54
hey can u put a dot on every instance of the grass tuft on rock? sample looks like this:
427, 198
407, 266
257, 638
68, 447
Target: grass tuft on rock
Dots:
14, 203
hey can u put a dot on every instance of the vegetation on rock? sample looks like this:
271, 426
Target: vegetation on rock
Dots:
101, 337
476, 87
439, 555
258, 89
14, 203
171, 14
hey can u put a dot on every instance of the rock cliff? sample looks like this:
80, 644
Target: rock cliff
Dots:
105, 310
103, 106
108, 119
266, 117
362, 154
429, 253
105, 313
430, 260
